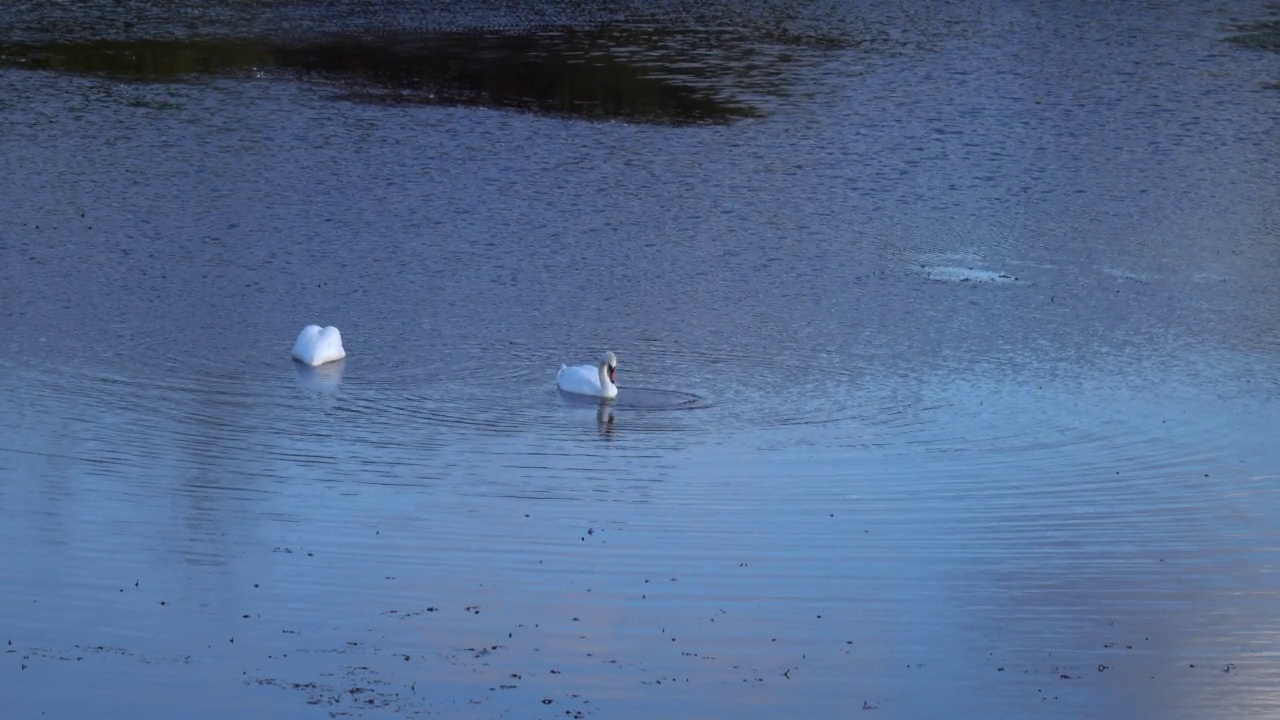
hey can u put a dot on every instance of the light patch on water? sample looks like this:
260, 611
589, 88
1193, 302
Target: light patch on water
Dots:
1034, 264
964, 265
1127, 275
1209, 277
955, 273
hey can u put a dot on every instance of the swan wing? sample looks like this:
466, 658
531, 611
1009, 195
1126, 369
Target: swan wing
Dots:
317, 346
580, 379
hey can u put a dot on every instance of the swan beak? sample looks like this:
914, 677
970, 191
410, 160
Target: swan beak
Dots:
613, 376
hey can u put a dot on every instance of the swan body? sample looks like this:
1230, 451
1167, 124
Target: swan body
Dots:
317, 346
594, 380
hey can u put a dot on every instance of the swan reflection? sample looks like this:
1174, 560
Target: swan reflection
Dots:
323, 379
604, 420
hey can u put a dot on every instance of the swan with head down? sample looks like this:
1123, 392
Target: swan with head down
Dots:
594, 380
316, 346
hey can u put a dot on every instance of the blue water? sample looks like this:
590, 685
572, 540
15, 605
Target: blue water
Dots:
947, 351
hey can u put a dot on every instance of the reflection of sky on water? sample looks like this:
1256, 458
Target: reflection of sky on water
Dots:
1002, 525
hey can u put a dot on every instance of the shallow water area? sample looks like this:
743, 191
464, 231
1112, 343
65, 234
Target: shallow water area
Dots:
947, 343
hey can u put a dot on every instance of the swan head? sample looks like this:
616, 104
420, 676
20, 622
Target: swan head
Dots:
609, 363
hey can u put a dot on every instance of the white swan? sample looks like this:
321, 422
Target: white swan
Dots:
595, 380
316, 346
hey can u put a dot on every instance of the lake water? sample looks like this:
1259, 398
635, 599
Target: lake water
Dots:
948, 340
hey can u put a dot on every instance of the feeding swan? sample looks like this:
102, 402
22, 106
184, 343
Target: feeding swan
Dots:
595, 380
316, 346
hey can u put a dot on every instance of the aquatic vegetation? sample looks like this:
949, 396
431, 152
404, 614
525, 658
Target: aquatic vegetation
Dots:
1258, 36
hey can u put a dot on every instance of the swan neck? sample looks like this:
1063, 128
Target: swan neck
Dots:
607, 388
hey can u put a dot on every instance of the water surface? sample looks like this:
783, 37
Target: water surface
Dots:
947, 340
